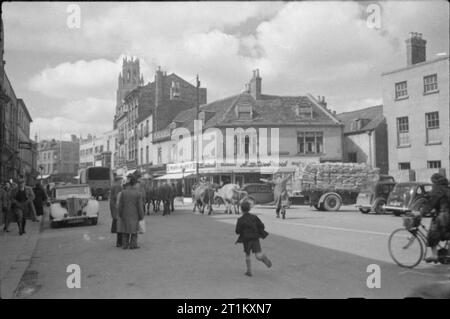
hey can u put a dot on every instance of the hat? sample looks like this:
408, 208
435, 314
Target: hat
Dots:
439, 179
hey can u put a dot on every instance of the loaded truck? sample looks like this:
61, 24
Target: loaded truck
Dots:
328, 186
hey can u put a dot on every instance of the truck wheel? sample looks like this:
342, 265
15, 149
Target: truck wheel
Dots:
364, 210
332, 203
397, 213
378, 206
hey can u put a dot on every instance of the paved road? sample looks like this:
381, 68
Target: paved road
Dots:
186, 255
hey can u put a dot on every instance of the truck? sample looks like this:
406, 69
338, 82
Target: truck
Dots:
328, 186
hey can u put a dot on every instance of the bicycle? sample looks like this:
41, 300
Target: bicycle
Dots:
408, 245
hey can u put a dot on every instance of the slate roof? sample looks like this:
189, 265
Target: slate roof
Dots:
373, 115
268, 110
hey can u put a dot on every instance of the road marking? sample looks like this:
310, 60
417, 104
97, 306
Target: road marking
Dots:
351, 230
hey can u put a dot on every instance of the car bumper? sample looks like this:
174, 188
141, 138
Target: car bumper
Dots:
396, 208
73, 219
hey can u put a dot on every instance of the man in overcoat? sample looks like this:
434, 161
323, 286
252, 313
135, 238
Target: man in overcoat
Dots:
116, 188
130, 212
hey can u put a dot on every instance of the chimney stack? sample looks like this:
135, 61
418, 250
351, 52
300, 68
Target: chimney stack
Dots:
255, 85
415, 49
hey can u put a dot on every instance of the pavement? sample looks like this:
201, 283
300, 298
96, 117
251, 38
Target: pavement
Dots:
187, 255
15, 255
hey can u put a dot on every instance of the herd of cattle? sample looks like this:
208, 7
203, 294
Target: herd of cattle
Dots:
204, 195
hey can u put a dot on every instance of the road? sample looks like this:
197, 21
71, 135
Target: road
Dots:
187, 255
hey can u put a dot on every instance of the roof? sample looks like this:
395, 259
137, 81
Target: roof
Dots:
446, 57
267, 111
373, 115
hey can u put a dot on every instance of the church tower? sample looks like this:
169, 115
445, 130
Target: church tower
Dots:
129, 79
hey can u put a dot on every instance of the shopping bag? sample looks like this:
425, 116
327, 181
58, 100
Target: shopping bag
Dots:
141, 229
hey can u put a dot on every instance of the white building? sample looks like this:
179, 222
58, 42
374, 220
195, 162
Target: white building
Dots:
416, 107
98, 150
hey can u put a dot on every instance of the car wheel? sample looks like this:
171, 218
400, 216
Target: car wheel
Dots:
378, 206
332, 203
94, 221
54, 224
396, 213
364, 210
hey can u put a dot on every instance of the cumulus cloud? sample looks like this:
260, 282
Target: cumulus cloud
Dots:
90, 115
70, 80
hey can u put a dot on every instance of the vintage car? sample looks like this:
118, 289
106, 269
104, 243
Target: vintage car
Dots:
262, 193
406, 197
73, 204
374, 197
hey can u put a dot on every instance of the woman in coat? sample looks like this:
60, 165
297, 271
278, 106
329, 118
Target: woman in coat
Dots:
130, 211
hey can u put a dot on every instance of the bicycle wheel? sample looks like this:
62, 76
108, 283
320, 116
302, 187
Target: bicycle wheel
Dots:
405, 248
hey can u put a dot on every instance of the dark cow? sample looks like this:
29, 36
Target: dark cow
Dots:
166, 195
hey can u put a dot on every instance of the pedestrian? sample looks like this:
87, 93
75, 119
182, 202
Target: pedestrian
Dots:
4, 199
116, 188
8, 216
439, 200
40, 198
22, 201
130, 212
280, 194
250, 229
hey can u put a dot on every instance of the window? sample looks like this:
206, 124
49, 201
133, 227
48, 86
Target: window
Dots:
142, 156
404, 166
309, 142
247, 147
430, 83
159, 155
432, 126
304, 112
401, 90
433, 164
352, 157
107, 145
402, 131
147, 154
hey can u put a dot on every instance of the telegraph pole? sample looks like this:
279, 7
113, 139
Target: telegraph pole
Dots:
197, 144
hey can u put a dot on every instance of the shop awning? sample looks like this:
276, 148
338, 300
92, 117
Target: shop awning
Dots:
174, 176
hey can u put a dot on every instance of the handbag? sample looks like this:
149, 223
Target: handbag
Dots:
141, 229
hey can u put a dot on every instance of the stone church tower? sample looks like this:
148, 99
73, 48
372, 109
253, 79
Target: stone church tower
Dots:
129, 79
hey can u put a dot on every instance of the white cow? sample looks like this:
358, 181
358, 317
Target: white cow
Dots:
231, 195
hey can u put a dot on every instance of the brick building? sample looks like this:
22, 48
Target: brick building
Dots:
416, 107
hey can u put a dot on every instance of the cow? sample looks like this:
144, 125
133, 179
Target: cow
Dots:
232, 196
166, 194
203, 196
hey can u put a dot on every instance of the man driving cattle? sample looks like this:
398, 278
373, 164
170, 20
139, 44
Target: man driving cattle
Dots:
280, 193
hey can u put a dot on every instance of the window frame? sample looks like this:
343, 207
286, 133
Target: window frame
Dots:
399, 90
401, 129
433, 84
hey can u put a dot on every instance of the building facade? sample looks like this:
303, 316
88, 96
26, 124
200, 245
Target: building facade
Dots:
249, 136
98, 150
16, 149
147, 108
416, 106
365, 137
59, 160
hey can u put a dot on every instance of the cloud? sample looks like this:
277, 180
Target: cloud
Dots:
72, 80
75, 117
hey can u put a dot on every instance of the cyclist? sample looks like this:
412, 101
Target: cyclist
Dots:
439, 198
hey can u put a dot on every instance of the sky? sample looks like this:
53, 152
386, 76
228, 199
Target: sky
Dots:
67, 76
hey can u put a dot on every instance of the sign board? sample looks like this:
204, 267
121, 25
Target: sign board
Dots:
189, 167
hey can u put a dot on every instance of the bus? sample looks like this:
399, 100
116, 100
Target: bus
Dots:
99, 179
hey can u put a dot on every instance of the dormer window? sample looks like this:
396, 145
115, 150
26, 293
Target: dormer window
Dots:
304, 112
358, 124
244, 112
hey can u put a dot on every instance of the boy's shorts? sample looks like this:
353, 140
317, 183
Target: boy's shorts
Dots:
252, 246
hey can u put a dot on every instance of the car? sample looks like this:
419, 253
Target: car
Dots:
374, 196
408, 196
261, 193
73, 204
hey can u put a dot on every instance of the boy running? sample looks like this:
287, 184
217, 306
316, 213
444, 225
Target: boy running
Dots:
250, 228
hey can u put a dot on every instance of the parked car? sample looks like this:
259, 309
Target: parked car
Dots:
407, 197
73, 204
374, 197
262, 193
